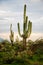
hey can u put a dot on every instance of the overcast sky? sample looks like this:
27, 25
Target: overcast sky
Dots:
11, 11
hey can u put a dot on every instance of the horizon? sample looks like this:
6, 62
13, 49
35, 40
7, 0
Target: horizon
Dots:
33, 36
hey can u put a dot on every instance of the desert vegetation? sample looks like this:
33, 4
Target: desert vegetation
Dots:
16, 54
21, 52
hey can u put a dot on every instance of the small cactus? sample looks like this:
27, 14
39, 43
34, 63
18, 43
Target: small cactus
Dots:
11, 35
27, 28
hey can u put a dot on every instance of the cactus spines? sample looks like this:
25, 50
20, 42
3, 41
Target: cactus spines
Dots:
11, 35
27, 27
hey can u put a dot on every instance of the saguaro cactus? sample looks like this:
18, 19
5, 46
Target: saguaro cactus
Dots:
11, 35
27, 27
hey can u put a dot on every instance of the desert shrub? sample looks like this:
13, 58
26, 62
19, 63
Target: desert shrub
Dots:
0, 54
38, 55
8, 57
8, 60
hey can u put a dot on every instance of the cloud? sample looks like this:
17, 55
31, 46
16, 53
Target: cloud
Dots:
40, 20
35, 0
11, 11
38, 25
8, 17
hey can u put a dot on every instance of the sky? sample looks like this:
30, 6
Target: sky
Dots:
11, 12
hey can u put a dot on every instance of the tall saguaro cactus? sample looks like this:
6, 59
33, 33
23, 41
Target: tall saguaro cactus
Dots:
11, 35
27, 28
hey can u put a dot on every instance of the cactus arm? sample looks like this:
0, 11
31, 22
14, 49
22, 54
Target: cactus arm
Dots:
26, 22
19, 29
25, 26
12, 36
30, 27
10, 27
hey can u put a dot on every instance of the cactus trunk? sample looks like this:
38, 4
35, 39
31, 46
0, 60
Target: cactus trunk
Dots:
24, 43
